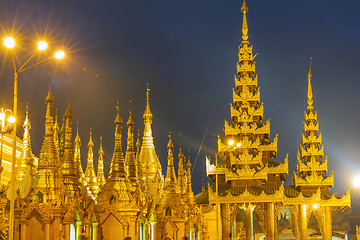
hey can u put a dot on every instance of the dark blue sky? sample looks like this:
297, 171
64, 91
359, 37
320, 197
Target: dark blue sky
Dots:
187, 52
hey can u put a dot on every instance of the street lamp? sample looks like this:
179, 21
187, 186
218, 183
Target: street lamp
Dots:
9, 43
229, 145
356, 182
5, 127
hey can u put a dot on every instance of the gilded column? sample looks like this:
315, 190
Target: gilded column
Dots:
249, 221
87, 229
77, 230
276, 232
302, 222
23, 227
67, 230
47, 230
94, 231
327, 223
225, 221
270, 221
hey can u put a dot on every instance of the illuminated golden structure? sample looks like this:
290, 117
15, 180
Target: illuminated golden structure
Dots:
249, 183
55, 199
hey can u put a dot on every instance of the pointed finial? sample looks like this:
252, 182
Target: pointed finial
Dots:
101, 151
27, 121
49, 98
90, 144
68, 112
147, 114
309, 93
309, 73
244, 8
245, 37
118, 119
27, 109
130, 120
147, 94
170, 144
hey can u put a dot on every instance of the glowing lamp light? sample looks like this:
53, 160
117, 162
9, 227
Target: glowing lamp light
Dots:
9, 42
42, 45
356, 182
315, 206
2, 116
231, 142
238, 145
11, 119
59, 54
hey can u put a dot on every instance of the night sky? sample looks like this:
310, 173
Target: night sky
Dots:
187, 52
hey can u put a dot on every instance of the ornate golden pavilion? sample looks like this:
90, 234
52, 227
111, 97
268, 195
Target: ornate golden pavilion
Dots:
56, 199
249, 197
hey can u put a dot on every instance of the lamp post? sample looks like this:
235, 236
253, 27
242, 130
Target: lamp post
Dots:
9, 43
5, 127
230, 144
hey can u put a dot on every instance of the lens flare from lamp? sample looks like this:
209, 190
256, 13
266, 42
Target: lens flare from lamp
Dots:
231, 142
315, 206
59, 54
11, 119
42, 45
238, 145
9, 42
356, 182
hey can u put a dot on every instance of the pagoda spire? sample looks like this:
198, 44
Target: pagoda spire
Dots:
252, 158
189, 190
130, 153
311, 169
90, 176
100, 174
118, 163
68, 168
77, 157
309, 93
61, 142
56, 131
138, 145
117, 189
170, 202
27, 159
245, 30
170, 180
149, 163
50, 180
181, 173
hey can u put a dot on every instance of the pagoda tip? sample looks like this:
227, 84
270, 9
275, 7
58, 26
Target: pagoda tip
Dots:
244, 8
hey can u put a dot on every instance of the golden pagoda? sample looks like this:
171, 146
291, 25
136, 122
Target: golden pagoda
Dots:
248, 168
90, 176
311, 180
77, 158
249, 196
150, 171
100, 177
